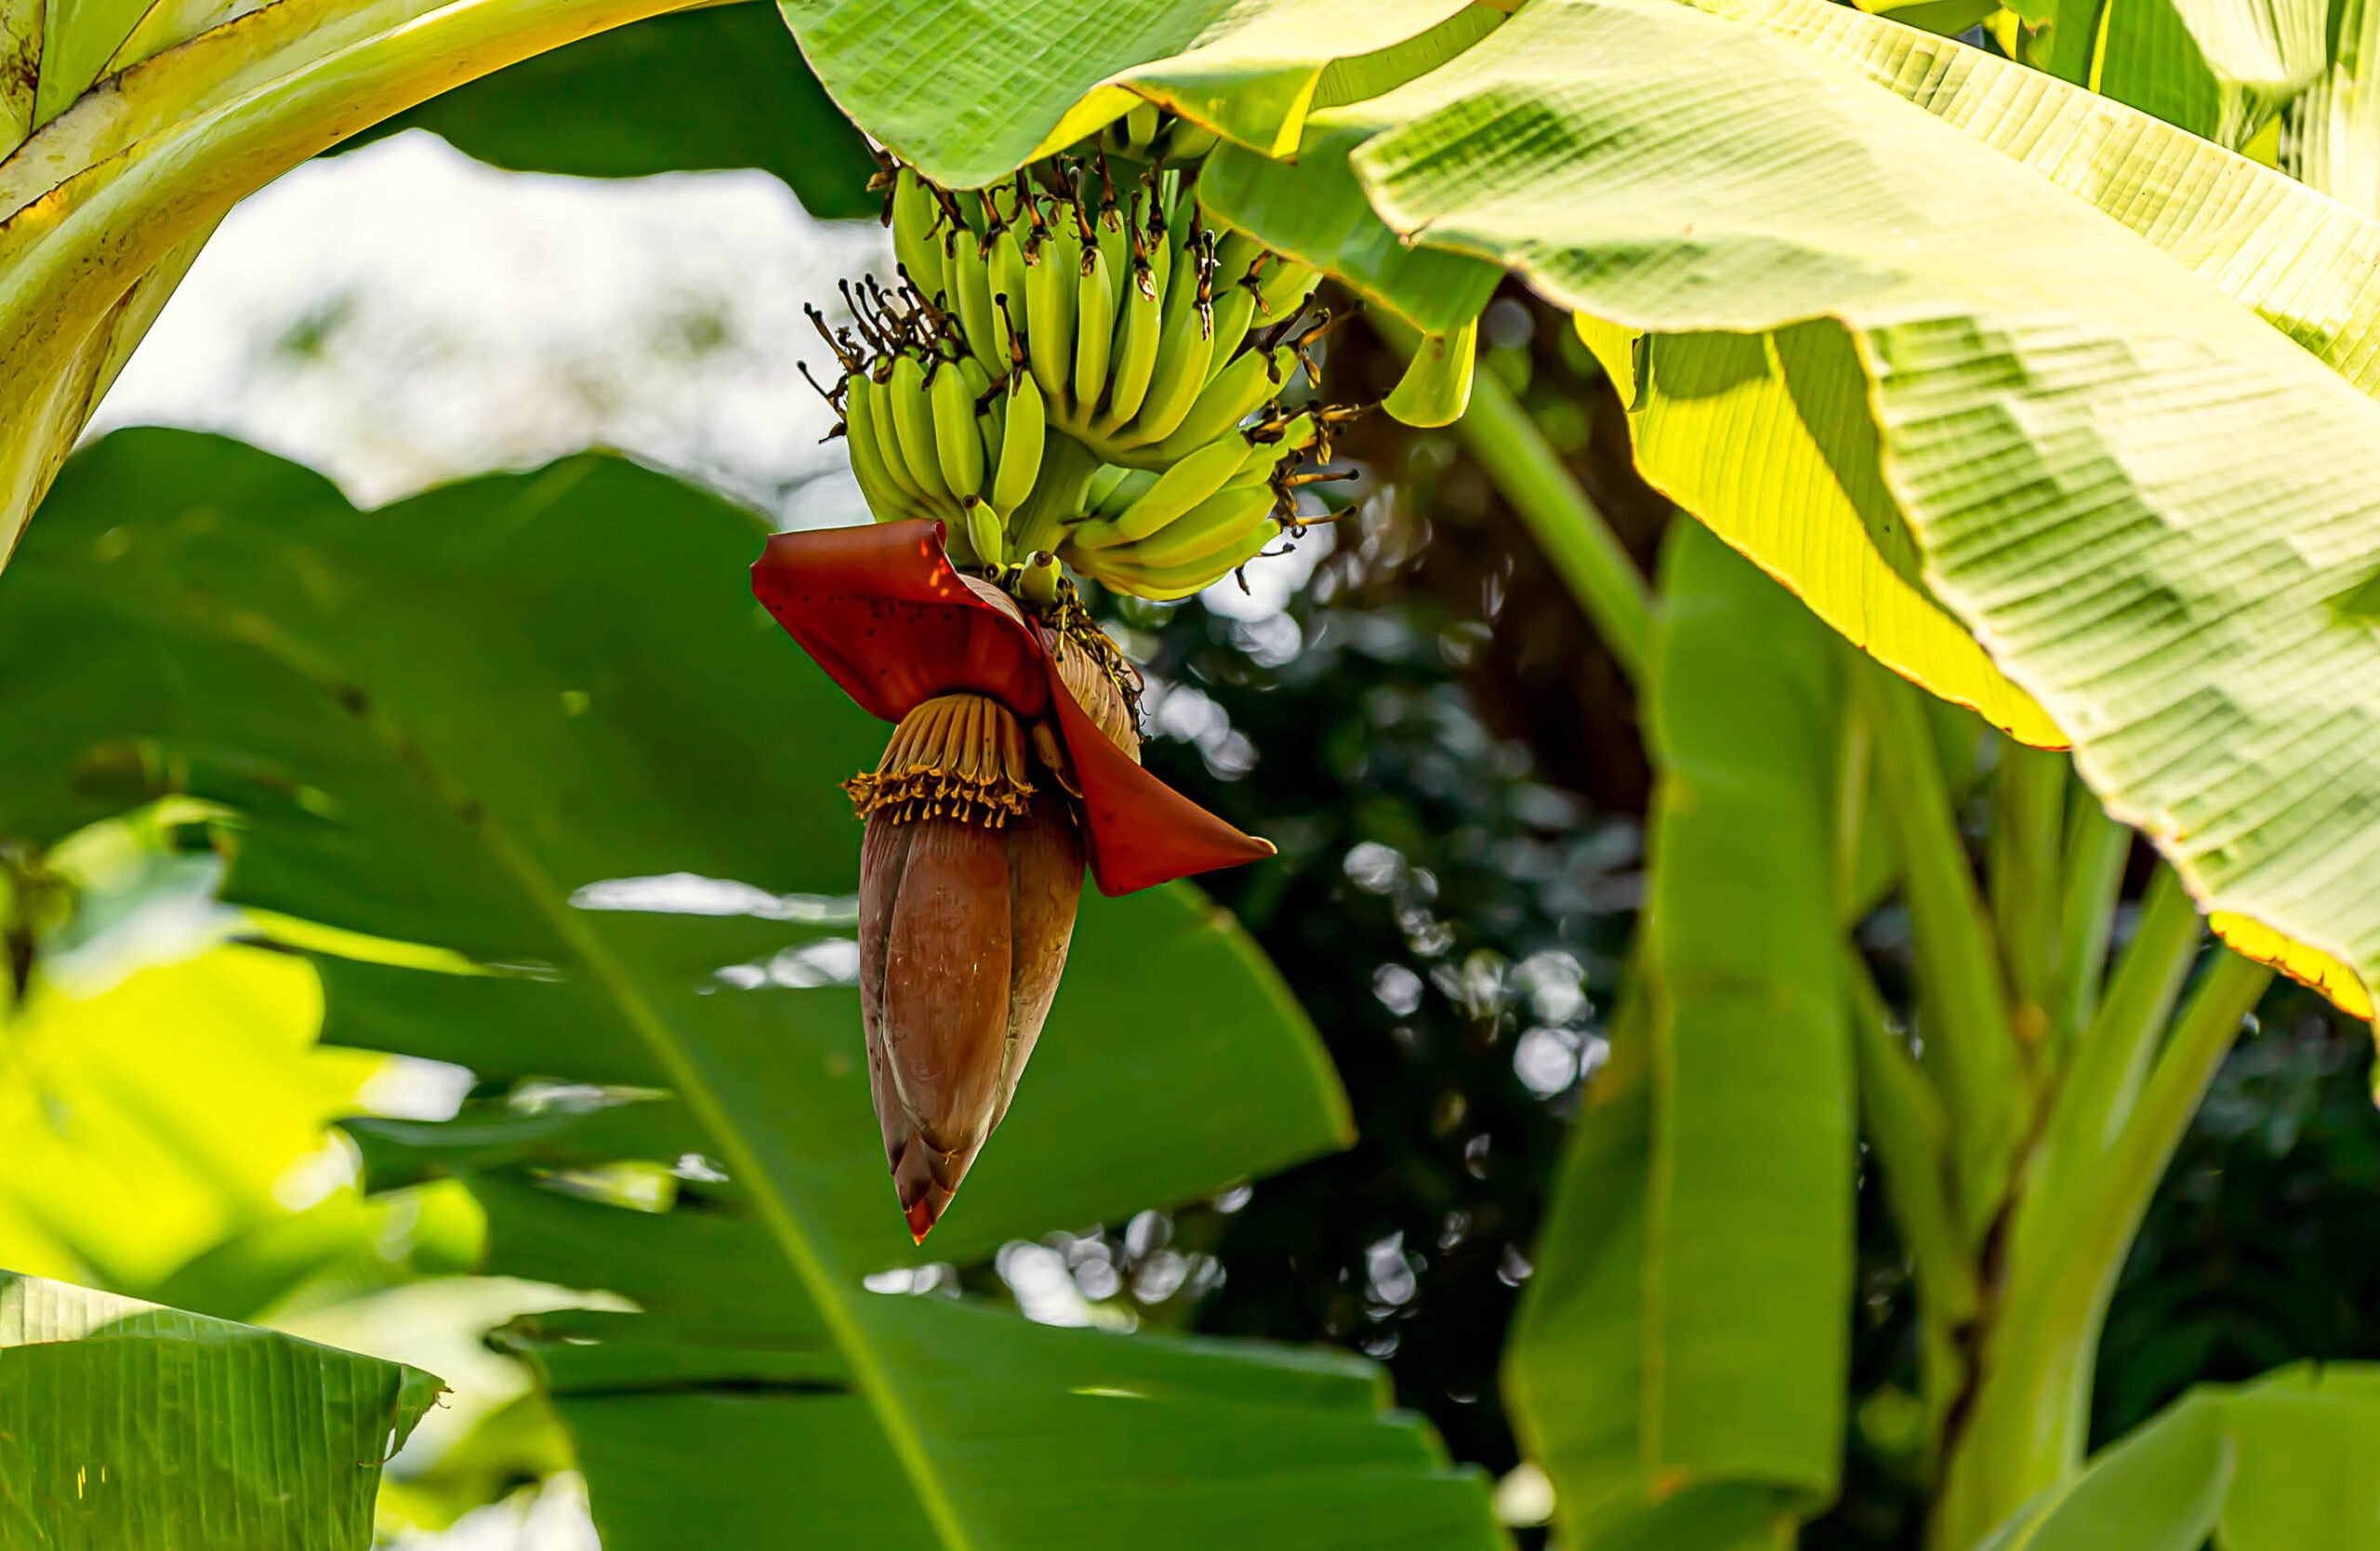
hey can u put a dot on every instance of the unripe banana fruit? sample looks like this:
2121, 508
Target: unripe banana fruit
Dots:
1081, 365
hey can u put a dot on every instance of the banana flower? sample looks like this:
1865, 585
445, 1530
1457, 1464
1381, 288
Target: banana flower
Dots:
1013, 764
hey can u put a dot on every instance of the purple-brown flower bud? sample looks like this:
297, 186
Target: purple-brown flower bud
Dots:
969, 878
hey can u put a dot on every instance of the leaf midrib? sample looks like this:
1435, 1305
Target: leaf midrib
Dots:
830, 1292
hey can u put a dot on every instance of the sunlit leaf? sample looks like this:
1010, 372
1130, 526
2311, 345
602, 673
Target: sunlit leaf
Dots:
114, 1148
1812, 508
970, 89
2145, 503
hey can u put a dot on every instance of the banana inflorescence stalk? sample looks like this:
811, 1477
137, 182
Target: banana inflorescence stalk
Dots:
1080, 365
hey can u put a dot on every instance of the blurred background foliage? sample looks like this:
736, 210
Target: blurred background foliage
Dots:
1451, 764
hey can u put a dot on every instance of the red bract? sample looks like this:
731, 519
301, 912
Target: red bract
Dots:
971, 862
884, 614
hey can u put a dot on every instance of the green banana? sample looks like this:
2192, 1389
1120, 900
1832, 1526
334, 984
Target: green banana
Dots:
1116, 246
1021, 443
1236, 257
1086, 538
1129, 487
913, 418
1040, 582
1229, 397
1436, 388
1103, 481
991, 432
883, 494
1052, 274
914, 213
984, 533
1183, 486
958, 452
1157, 247
1288, 285
1140, 124
1184, 346
1215, 524
1137, 336
1234, 311
1258, 466
970, 288
1095, 329
1181, 224
1182, 354
888, 455
1007, 280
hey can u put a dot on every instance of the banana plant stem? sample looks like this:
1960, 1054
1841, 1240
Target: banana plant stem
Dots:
2029, 1420
2095, 849
1971, 1049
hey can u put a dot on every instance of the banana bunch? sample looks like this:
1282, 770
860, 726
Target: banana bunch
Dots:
1167, 535
1074, 365
1148, 332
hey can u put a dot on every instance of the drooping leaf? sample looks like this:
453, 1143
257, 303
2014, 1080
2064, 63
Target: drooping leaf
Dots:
451, 721
1678, 1364
2152, 508
970, 91
1812, 508
2307, 264
133, 1425
693, 91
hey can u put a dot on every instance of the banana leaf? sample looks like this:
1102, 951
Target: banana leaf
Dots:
465, 720
1678, 1364
2034, 368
